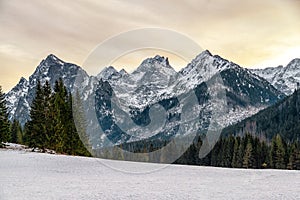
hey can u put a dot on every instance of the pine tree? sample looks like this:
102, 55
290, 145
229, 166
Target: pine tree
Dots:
66, 138
247, 162
48, 115
240, 154
277, 153
264, 155
294, 158
235, 162
76, 145
4, 123
16, 132
35, 127
59, 120
80, 120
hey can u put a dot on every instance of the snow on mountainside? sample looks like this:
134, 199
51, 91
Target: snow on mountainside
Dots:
153, 82
146, 84
16, 98
285, 79
50, 69
156, 82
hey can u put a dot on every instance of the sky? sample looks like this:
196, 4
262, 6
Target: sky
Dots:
252, 33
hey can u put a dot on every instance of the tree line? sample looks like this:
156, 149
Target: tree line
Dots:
246, 152
51, 124
231, 152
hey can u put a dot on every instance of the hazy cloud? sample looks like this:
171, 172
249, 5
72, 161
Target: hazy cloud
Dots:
249, 32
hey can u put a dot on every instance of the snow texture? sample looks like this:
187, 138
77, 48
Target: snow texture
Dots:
25, 175
285, 79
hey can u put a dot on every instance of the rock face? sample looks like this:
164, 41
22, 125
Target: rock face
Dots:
153, 83
282, 118
50, 69
285, 79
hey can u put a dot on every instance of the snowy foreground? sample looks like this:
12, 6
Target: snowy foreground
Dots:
26, 175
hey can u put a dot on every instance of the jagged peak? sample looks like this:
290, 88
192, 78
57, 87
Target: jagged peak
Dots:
205, 53
123, 72
294, 61
107, 73
51, 59
163, 61
22, 80
109, 69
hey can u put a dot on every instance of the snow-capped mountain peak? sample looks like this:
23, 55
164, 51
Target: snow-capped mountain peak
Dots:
50, 69
156, 61
285, 79
17, 96
51, 60
123, 72
294, 64
23, 81
109, 73
154, 81
156, 70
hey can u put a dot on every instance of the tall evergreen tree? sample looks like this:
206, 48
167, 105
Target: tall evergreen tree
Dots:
235, 161
247, 162
16, 132
294, 158
35, 127
48, 115
264, 155
66, 138
4, 123
80, 120
60, 112
277, 153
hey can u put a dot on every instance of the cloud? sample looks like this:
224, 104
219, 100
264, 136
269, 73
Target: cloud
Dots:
247, 32
13, 51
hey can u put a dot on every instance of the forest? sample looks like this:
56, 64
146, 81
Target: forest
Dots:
52, 126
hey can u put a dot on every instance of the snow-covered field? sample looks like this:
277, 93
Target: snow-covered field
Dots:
26, 175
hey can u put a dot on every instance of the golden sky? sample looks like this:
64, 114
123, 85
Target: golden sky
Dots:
252, 33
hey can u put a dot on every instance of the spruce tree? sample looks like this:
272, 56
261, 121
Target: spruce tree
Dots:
80, 120
66, 138
264, 155
48, 115
277, 153
294, 158
59, 119
235, 162
240, 154
247, 162
35, 127
4, 123
16, 132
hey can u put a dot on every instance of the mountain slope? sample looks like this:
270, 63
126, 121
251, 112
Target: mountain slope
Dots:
246, 94
50, 69
154, 82
282, 118
285, 79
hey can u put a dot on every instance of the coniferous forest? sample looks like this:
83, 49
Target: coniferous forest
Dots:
51, 124
52, 127
246, 152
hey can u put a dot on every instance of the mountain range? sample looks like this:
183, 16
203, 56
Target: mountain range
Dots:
285, 79
155, 82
